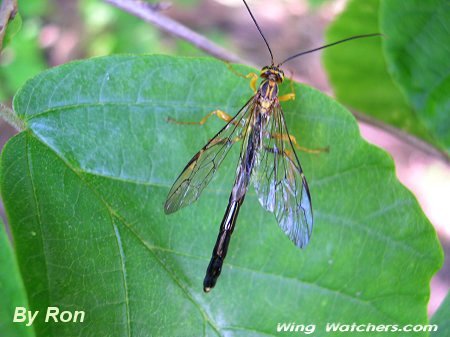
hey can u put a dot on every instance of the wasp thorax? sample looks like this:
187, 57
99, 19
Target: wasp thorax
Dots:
272, 73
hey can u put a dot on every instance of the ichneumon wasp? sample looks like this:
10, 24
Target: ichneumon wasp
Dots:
267, 158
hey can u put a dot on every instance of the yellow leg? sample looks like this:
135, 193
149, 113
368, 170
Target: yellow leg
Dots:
253, 80
298, 147
254, 77
291, 95
219, 113
287, 97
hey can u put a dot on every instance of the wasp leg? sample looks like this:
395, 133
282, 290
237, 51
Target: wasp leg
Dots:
219, 113
293, 140
224, 140
286, 153
291, 95
287, 97
253, 77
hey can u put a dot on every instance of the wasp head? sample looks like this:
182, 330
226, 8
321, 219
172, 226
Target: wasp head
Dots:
273, 73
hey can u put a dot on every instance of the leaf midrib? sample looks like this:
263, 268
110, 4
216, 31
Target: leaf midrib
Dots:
191, 298
38, 213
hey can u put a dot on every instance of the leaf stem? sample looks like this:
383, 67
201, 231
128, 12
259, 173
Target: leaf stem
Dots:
11, 118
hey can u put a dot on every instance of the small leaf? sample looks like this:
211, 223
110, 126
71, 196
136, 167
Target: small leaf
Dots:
22, 59
91, 173
13, 27
12, 291
358, 71
417, 52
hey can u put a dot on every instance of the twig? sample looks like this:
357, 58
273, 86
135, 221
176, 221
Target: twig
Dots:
403, 136
11, 118
8, 11
151, 15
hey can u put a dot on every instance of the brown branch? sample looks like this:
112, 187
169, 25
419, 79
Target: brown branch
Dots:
403, 136
8, 11
150, 13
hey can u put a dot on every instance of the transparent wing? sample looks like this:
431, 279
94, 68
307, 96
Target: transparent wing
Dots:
201, 168
280, 184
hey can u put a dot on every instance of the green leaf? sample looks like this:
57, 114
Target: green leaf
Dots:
442, 319
90, 174
12, 290
21, 59
358, 70
417, 52
12, 29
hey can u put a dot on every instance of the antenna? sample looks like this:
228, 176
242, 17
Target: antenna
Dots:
329, 45
259, 29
